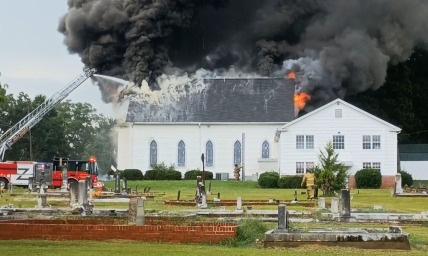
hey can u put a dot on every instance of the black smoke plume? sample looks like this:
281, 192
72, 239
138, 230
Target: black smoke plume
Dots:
338, 47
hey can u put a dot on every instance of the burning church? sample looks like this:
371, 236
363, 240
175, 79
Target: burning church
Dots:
231, 121
208, 77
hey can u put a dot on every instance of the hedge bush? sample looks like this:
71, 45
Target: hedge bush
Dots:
290, 181
162, 172
192, 174
368, 178
268, 180
406, 178
132, 174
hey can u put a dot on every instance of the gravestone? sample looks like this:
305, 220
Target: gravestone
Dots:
42, 196
82, 197
345, 203
74, 191
201, 195
282, 218
334, 205
398, 182
321, 203
117, 184
239, 203
136, 211
64, 178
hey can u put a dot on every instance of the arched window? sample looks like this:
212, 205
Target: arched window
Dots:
265, 149
237, 152
181, 154
209, 154
153, 153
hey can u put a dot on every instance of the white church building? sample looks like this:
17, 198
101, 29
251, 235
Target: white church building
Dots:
252, 122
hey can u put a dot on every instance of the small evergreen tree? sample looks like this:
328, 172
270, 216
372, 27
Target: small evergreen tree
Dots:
331, 175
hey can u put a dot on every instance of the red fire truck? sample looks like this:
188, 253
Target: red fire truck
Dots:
53, 173
16, 173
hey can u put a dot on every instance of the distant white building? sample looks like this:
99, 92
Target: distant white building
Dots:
251, 122
414, 160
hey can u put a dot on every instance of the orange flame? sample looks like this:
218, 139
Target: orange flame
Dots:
300, 100
291, 75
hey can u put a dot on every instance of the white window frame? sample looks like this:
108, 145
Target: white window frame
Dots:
303, 167
367, 142
300, 141
372, 142
309, 165
376, 139
305, 141
309, 141
376, 166
300, 167
339, 141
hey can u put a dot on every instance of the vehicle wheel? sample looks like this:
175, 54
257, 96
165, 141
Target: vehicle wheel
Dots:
72, 183
3, 183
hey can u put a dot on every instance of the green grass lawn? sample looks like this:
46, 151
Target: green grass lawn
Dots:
248, 190
363, 198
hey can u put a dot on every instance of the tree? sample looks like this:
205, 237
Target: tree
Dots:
102, 145
71, 130
3, 93
331, 175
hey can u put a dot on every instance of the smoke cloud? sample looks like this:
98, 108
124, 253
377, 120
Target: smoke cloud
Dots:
336, 47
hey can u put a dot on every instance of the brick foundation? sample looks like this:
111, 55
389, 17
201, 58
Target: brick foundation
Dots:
388, 181
153, 231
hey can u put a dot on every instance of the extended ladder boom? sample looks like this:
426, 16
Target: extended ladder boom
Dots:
16, 132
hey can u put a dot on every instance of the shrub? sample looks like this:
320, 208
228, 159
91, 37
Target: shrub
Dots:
406, 178
248, 231
368, 178
191, 175
162, 172
290, 181
132, 174
269, 180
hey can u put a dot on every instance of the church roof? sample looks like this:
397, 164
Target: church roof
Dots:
224, 100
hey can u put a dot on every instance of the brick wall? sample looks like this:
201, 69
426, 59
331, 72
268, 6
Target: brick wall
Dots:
388, 181
92, 230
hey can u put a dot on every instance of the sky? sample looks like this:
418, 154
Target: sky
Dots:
33, 57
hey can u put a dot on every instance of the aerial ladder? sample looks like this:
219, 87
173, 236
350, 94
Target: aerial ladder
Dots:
16, 132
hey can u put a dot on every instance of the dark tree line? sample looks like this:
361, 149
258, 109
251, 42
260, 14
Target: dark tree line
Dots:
73, 130
403, 99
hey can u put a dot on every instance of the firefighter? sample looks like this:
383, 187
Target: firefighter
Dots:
309, 179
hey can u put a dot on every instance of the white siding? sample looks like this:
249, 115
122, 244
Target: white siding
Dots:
124, 147
418, 169
195, 136
353, 125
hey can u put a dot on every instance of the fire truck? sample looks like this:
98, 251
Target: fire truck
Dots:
14, 172
61, 170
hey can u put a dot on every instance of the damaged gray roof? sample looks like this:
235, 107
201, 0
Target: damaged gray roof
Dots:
224, 100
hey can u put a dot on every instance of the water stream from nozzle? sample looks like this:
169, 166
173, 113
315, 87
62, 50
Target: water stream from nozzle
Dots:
112, 78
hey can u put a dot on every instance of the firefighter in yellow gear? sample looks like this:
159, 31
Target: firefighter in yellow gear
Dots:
309, 180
